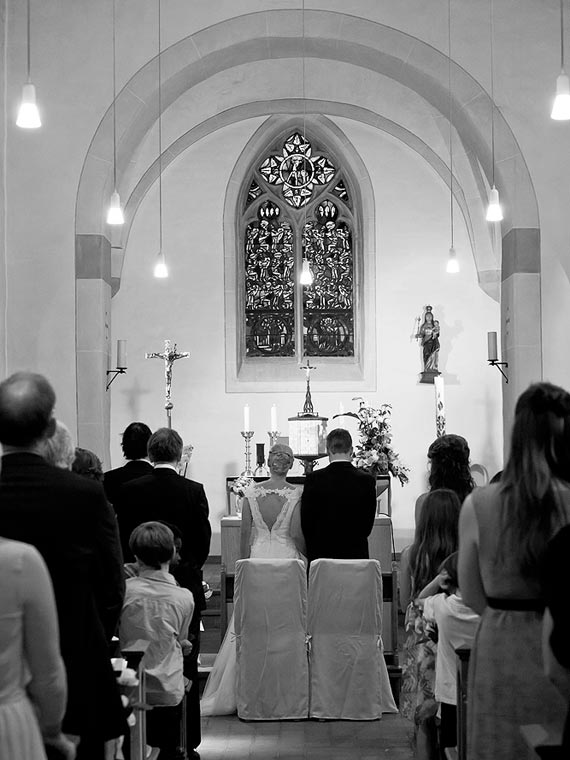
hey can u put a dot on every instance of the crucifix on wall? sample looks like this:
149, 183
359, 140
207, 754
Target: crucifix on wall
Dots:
169, 356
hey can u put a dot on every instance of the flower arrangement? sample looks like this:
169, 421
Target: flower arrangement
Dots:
374, 451
239, 485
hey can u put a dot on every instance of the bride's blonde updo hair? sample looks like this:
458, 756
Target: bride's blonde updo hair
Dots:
281, 448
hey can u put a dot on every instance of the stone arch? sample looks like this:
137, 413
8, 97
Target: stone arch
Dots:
273, 35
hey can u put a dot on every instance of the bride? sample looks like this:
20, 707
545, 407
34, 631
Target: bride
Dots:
270, 529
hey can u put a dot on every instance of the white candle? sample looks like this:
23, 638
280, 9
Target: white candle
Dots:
273, 427
340, 407
246, 418
492, 346
121, 354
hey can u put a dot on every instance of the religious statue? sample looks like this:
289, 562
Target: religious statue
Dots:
169, 356
428, 335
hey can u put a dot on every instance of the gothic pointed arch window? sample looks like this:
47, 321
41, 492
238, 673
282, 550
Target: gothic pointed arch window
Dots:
298, 206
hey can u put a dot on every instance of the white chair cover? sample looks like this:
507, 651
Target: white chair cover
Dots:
345, 645
270, 625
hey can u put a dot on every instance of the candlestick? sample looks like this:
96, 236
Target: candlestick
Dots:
439, 406
273, 436
247, 435
246, 421
273, 417
121, 354
492, 346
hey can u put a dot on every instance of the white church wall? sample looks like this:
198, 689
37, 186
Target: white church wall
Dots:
412, 241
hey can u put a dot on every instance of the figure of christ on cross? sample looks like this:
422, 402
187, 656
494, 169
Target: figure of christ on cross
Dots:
308, 407
169, 356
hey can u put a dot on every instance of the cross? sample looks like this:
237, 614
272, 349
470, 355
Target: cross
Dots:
308, 406
169, 356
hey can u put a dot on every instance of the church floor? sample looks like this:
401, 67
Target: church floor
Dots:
228, 738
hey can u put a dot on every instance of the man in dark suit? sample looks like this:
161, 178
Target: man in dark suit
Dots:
338, 505
67, 518
167, 496
134, 444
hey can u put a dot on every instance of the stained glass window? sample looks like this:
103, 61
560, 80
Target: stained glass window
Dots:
298, 205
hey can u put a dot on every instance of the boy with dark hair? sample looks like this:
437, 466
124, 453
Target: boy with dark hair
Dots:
157, 610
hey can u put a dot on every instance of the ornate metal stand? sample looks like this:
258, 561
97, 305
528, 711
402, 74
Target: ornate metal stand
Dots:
308, 461
273, 436
247, 435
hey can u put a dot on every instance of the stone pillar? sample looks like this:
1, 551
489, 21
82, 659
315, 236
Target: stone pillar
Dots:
521, 319
93, 319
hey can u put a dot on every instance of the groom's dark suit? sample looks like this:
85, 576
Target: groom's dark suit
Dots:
337, 512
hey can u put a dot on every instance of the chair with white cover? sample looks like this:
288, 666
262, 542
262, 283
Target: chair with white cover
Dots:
344, 627
270, 624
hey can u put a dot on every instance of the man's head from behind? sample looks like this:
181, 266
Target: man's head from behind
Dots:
26, 410
135, 440
339, 444
165, 446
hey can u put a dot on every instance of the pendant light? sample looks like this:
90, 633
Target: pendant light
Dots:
28, 114
452, 261
160, 268
494, 210
115, 213
306, 277
561, 106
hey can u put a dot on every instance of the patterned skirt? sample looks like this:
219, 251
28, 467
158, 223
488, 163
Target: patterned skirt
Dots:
417, 700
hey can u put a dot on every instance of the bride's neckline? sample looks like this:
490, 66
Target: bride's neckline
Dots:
280, 491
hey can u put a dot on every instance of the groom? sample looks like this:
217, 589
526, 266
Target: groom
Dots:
338, 505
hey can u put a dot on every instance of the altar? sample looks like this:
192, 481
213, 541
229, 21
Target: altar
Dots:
380, 547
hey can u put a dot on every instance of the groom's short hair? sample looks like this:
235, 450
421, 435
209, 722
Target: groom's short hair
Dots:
339, 441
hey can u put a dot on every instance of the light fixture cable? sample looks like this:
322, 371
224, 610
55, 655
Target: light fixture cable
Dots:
306, 277
28, 115
160, 268
494, 211
115, 213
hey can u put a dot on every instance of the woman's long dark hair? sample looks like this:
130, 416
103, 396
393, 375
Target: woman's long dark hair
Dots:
539, 460
436, 536
449, 458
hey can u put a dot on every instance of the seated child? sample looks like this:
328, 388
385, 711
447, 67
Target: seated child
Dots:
157, 610
456, 626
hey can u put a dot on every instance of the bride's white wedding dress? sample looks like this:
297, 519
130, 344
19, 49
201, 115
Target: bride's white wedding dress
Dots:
219, 696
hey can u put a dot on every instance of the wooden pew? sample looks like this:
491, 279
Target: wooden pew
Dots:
134, 655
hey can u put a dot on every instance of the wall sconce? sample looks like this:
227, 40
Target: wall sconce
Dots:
121, 362
492, 354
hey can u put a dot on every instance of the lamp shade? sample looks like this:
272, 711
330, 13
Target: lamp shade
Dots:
452, 262
561, 105
28, 114
494, 210
115, 213
160, 268
306, 274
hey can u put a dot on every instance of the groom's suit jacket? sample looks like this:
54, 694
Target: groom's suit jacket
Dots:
114, 479
337, 512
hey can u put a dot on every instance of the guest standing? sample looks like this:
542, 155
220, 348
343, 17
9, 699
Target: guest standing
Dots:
338, 504
59, 449
32, 675
448, 456
504, 530
69, 521
435, 539
166, 496
134, 444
